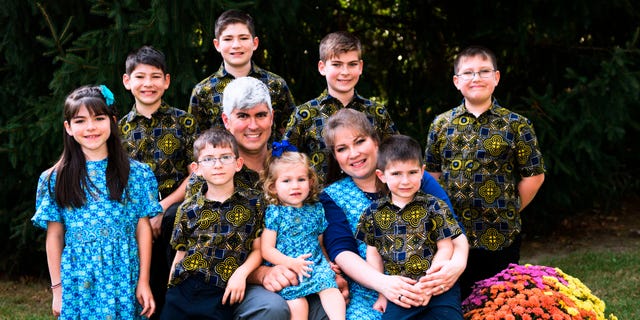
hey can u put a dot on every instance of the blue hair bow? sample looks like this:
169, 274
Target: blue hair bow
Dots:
107, 94
280, 147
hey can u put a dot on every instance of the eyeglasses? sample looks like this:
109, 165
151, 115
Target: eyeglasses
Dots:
469, 75
211, 161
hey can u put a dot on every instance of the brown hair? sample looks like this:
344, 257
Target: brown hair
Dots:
473, 51
234, 16
217, 138
337, 43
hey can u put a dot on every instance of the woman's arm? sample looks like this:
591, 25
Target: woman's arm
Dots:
338, 236
144, 237
54, 246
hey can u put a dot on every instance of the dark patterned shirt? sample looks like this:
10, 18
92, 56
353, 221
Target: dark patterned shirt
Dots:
481, 160
217, 236
206, 99
406, 238
164, 142
306, 124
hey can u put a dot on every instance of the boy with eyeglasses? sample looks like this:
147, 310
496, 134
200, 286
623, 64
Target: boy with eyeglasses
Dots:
488, 160
215, 236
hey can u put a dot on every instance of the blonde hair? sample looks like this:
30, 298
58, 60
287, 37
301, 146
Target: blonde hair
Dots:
337, 43
269, 177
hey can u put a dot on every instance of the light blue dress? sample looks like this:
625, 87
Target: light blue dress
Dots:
298, 230
100, 262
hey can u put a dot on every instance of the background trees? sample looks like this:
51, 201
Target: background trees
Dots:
571, 67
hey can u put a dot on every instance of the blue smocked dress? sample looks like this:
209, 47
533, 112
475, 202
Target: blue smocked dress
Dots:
100, 262
298, 230
353, 203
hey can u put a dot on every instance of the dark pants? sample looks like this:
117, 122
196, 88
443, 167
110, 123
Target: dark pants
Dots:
445, 306
161, 259
483, 264
194, 298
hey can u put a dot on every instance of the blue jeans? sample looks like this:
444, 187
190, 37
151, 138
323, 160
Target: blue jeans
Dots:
445, 306
194, 298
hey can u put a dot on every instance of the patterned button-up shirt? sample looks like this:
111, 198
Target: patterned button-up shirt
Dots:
164, 142
217, 236
206, 99
407, 238
307, 122
481, 160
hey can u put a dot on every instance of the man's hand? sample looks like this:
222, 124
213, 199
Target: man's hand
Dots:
279, 277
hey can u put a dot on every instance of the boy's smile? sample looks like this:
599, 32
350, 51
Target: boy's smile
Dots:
236, 45
476, 91
342, 73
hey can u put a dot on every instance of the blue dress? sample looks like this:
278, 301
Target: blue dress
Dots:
298, 230
100, 262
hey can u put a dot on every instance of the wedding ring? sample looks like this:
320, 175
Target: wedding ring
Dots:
399, 297
442, 288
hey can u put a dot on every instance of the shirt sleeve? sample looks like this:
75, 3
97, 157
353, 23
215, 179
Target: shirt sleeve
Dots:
338, 236
432, 187
46, 206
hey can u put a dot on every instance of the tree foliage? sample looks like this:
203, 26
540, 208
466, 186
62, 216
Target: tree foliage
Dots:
564, 65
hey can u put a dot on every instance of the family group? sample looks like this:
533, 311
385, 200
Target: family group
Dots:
247, 206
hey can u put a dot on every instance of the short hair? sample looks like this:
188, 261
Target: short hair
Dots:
337, 43
398, 147
348, 118
146, 55
473, 51
245, 93
234, 16
268, 176
217, 138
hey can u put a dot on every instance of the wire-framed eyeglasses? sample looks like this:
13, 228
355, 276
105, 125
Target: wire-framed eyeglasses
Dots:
469, 75
211, 161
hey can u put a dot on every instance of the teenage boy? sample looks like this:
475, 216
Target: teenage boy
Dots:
161, 136
216, 236
236, 40
409, 232
488, 160
341, 64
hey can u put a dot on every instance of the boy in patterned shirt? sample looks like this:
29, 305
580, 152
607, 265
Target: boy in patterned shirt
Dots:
236, 40
216, 236
409, 232
162, 137
488, 160
341, 64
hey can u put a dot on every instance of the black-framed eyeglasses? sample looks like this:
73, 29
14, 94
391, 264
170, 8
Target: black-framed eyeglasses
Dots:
469, 75
211, 161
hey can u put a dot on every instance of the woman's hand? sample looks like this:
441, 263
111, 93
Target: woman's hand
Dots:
402, 291
441, 277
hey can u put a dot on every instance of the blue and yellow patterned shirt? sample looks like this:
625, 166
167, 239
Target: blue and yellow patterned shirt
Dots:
164, 142
206, 99
406, 238
482, 160
307, 122
216, 236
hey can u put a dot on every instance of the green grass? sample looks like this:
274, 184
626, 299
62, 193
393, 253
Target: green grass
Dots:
612, 276
25, 299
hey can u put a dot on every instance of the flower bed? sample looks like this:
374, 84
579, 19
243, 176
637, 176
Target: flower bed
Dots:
527, 292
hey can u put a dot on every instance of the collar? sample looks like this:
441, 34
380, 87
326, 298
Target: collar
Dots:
222, 72
461, 109
326, 98
133, 114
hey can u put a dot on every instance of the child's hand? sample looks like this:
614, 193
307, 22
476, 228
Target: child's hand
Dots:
235, 288
145, 298
301, 266
56, 304
380, 304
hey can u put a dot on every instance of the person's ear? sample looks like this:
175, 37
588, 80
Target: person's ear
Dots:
225, 120
67, 128
256, 41
125, 81
239, 163
167, 81
381, 176
216, 44
321, 67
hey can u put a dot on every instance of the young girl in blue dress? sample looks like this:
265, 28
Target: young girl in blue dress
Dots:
294, 222
95, 204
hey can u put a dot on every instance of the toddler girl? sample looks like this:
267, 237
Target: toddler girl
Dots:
294, 223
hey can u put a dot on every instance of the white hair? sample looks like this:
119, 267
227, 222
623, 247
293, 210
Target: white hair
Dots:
245, 93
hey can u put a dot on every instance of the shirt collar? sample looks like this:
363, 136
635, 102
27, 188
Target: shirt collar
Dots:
133, 114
